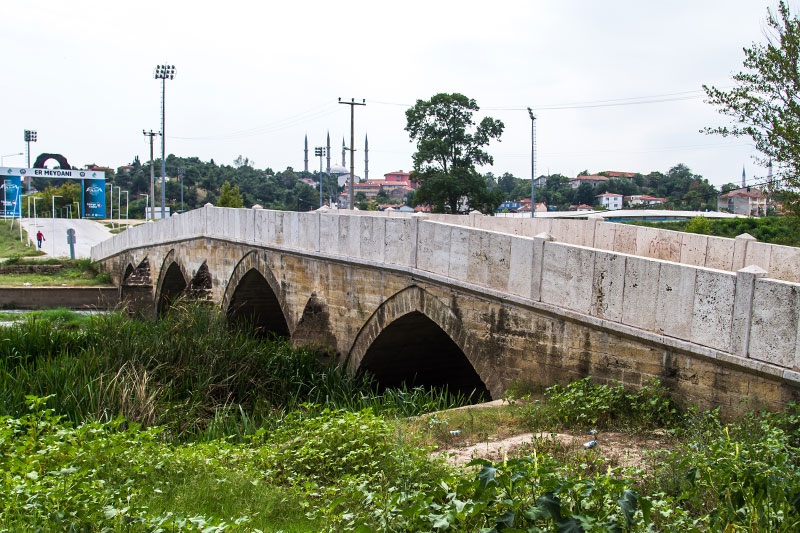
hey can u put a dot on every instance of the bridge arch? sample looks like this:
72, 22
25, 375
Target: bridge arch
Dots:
254, 294
171, 282
414, 339
136, 286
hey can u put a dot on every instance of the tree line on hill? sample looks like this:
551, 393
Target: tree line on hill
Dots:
679, 186
243, 185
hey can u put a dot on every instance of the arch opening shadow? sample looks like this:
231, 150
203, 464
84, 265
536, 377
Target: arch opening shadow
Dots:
254, 302
173, 286
414, 351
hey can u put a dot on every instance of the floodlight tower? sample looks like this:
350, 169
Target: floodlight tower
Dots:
30, 137
163, 73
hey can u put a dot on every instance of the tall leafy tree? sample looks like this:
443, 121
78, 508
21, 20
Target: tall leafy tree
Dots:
765, 102
229, 196
449, 146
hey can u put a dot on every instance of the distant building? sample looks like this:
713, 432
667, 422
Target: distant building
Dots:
525, 206
370, 188
610, 200
511, 206
400, 177
644, 199
541, 181
618, 175
745, 201
591, 180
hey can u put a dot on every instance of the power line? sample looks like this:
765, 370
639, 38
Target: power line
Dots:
632, 100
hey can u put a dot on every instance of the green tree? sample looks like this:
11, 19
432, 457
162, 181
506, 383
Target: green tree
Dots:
449, 146
765, 101
229, 196
585, 194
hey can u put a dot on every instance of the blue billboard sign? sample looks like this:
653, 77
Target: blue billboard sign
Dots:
12, 190
93, 186
93, 198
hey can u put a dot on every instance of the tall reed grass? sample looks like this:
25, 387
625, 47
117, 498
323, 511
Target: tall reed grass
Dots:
190, 371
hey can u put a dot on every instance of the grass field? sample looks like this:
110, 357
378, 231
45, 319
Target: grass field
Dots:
75, 273
10, 245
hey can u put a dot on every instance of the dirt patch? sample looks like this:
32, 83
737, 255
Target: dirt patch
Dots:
621, 449
618, 448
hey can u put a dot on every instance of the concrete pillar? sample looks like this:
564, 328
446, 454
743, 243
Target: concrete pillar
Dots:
740, 244
538, 264
743, 307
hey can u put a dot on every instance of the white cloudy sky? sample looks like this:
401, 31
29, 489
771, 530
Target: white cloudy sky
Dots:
254, 77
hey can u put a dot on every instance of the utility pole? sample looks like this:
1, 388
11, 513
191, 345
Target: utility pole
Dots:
533, 162
151, 134
352, 103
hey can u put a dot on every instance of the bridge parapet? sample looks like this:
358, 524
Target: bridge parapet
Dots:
781, 262
741, 318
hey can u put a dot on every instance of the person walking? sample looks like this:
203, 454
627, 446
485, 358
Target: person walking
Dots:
40, 238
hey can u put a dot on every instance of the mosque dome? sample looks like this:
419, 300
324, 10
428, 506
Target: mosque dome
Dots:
339, 169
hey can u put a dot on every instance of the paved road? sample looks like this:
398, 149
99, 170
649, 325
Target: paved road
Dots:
87, 233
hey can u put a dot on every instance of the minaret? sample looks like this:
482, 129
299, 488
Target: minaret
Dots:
366, 157
344, 163
743, 180
306, 153
329, 153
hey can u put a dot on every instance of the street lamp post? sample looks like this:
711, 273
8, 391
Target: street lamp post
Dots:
146, 204
2, 157
111, 203
20, 213
163, 73
126, 207
319, 151
5, 199
35, 218
53, 235
533, 162
30, 137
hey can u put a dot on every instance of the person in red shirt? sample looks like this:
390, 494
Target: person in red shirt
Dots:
40, 238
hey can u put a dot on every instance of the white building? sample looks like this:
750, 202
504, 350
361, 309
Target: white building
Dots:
610, 200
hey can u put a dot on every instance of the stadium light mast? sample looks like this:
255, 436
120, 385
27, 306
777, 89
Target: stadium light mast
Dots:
163, 73
30, 137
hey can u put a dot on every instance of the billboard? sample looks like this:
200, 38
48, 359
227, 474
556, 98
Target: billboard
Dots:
93, 198
93, 186
12, 191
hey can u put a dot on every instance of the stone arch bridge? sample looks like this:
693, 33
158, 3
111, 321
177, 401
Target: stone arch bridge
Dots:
477, 303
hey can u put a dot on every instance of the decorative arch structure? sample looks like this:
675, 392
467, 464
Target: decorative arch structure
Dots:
254, 295
171, 283
44, 158
413, 339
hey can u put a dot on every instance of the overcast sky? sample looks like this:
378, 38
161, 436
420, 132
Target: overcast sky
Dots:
253, 78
